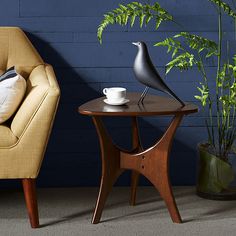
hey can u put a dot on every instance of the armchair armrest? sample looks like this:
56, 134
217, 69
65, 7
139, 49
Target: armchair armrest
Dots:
32, 126
41, 84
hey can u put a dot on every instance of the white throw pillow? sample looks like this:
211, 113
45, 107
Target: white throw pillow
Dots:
12, 91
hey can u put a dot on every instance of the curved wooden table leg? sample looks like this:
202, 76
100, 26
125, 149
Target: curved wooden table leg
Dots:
161, 180
110, 167
138, 148
153, 163
134, 183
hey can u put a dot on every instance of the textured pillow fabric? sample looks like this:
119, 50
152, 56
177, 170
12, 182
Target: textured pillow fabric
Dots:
12, 91
11, 72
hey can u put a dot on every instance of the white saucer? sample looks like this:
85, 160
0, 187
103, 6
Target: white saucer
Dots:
116, 103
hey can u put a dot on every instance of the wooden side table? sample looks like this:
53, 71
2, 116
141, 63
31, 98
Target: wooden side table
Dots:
152, 163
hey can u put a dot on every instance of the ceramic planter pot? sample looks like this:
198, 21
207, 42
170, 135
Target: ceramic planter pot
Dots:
214, 176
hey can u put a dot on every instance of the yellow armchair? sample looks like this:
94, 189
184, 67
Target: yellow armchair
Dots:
23, 140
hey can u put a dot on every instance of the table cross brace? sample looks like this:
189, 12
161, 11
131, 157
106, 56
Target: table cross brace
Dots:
153, 163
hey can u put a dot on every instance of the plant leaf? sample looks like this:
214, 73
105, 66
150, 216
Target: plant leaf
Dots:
226, 8
127, 13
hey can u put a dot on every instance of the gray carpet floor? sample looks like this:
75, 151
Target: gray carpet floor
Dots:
69, 212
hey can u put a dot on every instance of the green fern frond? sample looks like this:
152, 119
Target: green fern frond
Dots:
183, 61
199, 43
130, 12
172, 45
226, 8
234, 59
182, 58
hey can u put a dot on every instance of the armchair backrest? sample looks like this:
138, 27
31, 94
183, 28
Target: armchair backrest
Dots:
17, 50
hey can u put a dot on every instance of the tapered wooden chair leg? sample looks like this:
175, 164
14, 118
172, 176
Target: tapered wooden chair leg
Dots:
31, 201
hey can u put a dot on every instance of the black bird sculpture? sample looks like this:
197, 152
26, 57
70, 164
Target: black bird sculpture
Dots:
146, 73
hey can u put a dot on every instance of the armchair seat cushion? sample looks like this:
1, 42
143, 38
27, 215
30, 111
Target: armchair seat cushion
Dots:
7, 138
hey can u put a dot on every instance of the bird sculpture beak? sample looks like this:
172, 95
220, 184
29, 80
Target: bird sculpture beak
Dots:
134, 43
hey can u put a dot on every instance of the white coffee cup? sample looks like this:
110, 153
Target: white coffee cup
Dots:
115, 94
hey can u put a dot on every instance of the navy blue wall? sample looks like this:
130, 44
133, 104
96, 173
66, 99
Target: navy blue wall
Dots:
64, 32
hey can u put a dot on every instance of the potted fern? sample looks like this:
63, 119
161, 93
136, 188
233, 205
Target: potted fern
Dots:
187, 51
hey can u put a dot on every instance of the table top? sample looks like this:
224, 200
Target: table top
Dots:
152, 105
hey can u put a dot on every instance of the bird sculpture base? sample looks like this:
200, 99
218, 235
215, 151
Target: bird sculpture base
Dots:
143, 95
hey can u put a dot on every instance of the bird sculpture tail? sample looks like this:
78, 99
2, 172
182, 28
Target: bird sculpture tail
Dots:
175, 97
